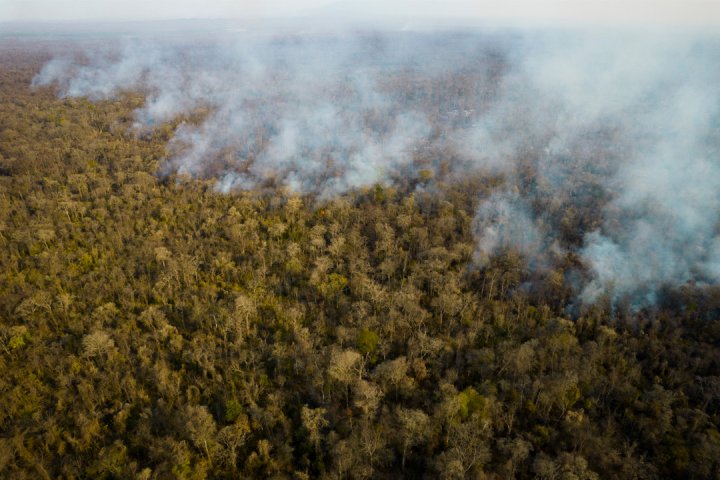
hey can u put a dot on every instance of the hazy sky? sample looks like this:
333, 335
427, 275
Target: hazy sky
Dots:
644, 12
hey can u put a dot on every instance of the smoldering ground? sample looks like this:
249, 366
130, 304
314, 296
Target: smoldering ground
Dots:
608, 142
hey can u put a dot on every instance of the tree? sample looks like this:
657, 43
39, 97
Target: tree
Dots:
414, 429
199, 428
344, 368
313, 419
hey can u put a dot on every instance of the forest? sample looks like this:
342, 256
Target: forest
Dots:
258, 273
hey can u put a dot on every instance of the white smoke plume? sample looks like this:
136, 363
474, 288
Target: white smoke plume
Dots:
609, 141
311, 113
503, 222
635, 123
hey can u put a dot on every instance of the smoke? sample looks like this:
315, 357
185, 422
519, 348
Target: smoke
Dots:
660, 227
310, 113
623, 132
608, 141
504, 222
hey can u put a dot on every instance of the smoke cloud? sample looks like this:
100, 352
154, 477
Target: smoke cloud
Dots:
627, 130
607, 142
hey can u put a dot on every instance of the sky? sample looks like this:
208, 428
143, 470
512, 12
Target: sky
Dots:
678, 13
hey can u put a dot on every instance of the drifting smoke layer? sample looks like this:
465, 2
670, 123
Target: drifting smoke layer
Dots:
628, 131
504, 223
314, 113
660, 228
617, 136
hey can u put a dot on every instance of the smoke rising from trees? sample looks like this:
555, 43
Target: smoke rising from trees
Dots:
607, 145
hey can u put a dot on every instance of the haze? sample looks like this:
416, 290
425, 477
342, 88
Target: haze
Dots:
663, 13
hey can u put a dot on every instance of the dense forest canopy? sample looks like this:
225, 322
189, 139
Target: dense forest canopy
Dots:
380, 255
